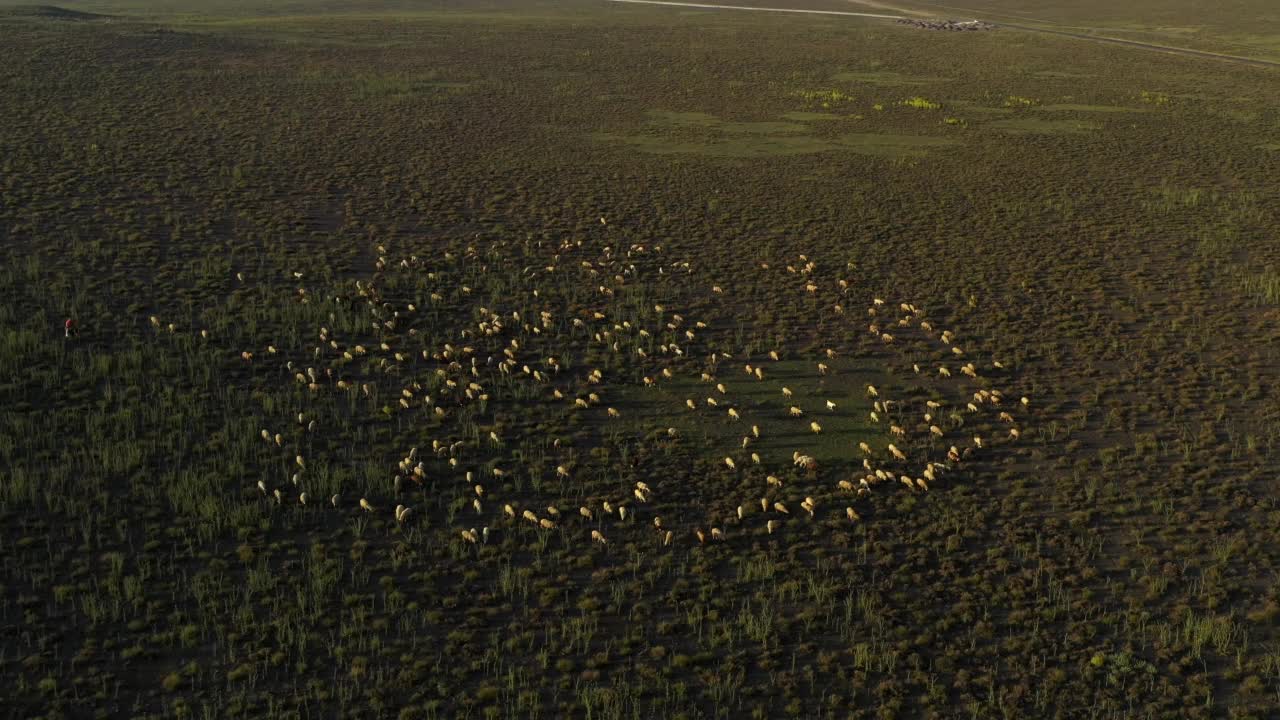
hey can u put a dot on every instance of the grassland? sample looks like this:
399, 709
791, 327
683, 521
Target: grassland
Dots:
371, 256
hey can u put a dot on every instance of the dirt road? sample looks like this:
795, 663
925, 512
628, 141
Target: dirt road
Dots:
1256, 62
760, 9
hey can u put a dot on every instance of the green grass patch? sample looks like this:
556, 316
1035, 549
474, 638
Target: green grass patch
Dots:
886, 77
762, 403
1077, 107
1038, 126
705, 120
405, 85
875, 144
801, 116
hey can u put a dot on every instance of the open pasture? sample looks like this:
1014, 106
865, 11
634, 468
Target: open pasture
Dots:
407, 340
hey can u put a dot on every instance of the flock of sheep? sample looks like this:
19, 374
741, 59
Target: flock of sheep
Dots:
452, 348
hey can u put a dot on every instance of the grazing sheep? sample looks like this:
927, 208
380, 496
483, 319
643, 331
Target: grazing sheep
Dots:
795, 411
977, 440
935, 430
773, 480
510, 511
872, 392
755, 431
864, 448
741, 512
366, 505
613, 413
666, 540
805, 462
781, 508
639, 496
597, 536
729, 461
546, 524
853, 516
893, 450
764, 504
1014, 434
815, 427
334, 501
733, 414
822, 368
528, 515
585, 512
1026, 401
759, 374
786, 392
770, 526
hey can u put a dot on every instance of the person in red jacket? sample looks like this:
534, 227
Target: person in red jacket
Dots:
69, 326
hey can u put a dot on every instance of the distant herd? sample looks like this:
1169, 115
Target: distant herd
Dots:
954, 25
